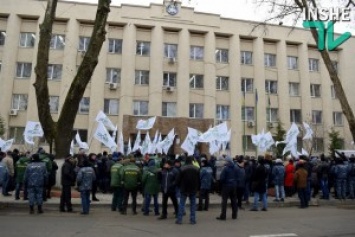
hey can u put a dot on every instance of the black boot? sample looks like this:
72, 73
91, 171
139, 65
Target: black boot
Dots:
32, 211
40, 210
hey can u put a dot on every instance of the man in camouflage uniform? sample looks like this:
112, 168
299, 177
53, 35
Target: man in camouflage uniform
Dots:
86, 176
341, 175
351, 176
35, 178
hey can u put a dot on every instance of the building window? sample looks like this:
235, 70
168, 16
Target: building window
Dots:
247, 85
269, 60
247, 143
54, 104
169, 79
221, 55
335, 65
222, 112
142, 77
316, 117
27, 39
246, 57
83, 133
313, 64
84, 43
140, 108
272, 115
222, 83
170, 50
143, 48
271, 87
115, 46
17, 134
196, 52
294, 88
196, 81
315, 90
169, 109
54, 71
111, 106
19, 101
84, 105
57, 42
113, 75
2, 37
23, 70
196, 110
292, 62
333, 92
338, 118
318, 145
247, 113
295, 116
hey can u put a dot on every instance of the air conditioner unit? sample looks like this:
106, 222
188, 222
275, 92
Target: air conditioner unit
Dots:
271, 125
170, 89
172, 60
251, 124
113, 86
14, 112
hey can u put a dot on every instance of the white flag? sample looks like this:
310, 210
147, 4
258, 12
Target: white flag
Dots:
188, 145
29, 139
121, 143
72, 147
146, 124
102, 135
213, 147
6, 145
309, 131
81, 144
129, 149
145, 144
137, 142
114, 133
292, 133
194, 135
33, 129
101, 117
159, 144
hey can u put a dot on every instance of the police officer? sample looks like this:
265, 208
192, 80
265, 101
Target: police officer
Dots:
341, 175
35, 178
351, 176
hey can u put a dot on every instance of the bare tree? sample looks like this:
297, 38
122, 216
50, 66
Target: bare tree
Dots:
59, 132
279, 9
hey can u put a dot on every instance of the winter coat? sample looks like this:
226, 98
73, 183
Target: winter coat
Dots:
150, 181
206, 177
278, 174
21, 165
259, 178
131, 176
8, 161
341, 171
116, 175
351, 170
53, 174
86, 176
289, 175
323, 170
68, 174
240, 176
188, 179
229, 176
45, 158
301, 177
36, 174
167, 179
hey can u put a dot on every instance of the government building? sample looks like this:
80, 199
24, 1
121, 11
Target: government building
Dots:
189, 69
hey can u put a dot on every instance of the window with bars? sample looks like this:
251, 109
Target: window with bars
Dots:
111, 106
169, 109
271, 86
222, 112
222, 55
292, 62
315, 90
222, 83
84, 43
294, 88
248, 113
142, 77
247, 85
27, 39
169, 79
115, 46
113, 75
19, 101
2, 37
170, 50
313, 64
317, 117
54, 104
140, 108
338, 118
196, 81
246, 57
84, 105
295, 116
17, 134
196, 52
196, 111
23, 70
57, 42
270, 60
54, 71
143, 48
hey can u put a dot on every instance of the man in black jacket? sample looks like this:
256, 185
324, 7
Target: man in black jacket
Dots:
68, 180
188, 181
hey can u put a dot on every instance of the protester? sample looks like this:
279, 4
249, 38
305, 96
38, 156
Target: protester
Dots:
68, 178
301, 183
323, 176
86, 176
3, 174
8, 161
93, 163
240, 180
116, 183
151, 187
206, 180
278, 177
289, 178
259, 185
21, 165
51, 176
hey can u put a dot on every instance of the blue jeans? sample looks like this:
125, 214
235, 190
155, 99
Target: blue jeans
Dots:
256, 200
279, 192
147, 199
192, 198
85, 201
325, 188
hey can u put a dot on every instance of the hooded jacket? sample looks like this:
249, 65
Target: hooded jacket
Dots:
21, 165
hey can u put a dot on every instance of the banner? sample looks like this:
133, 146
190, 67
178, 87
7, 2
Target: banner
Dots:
102, 118
137, 142
6, 145
146, 124
263, 141
121, 143
309, 131
102, 135
167, 142
81, 144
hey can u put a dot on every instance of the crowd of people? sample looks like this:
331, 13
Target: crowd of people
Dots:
177, 178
